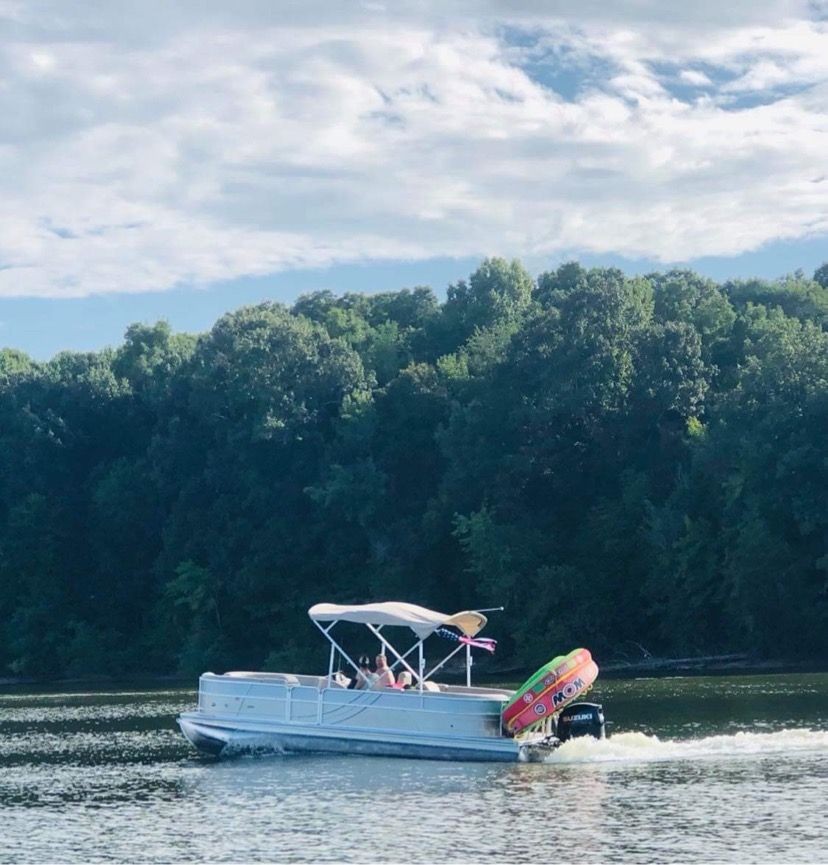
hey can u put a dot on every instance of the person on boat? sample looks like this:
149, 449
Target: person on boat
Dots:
384, 676
365, 677
404, 681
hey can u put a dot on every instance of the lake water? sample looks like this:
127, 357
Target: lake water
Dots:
699, 769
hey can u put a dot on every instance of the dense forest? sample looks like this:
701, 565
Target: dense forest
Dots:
619, 461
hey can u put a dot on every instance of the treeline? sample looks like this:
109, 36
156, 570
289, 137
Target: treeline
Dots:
618, 460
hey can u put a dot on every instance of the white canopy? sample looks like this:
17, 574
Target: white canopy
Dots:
422, 621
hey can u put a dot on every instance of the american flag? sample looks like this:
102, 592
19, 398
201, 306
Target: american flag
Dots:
476, 642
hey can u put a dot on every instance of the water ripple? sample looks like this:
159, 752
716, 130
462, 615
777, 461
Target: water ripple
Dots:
728, 770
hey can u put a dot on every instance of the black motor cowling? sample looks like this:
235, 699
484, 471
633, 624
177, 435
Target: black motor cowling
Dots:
582, 719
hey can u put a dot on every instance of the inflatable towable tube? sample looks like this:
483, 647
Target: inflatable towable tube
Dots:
550, 689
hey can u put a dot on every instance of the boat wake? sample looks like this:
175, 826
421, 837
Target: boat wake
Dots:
641, 748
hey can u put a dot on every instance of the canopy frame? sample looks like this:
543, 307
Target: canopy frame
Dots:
420, 675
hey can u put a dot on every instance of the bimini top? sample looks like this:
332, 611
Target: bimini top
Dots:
422, 621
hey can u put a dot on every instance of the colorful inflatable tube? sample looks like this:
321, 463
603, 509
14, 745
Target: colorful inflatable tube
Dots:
543, 679
560, 694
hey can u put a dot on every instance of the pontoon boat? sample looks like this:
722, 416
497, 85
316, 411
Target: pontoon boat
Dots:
241, 711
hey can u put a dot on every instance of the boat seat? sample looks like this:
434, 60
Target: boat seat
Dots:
431, 686
281, 678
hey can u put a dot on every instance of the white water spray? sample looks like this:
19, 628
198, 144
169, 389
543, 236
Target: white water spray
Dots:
641, 748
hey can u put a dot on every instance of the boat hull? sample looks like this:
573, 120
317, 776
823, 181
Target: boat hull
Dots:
296, 714
224, 737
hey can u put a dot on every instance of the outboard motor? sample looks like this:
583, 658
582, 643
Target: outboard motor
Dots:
582, 719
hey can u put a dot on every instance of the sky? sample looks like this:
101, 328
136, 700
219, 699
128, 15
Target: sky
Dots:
178, 160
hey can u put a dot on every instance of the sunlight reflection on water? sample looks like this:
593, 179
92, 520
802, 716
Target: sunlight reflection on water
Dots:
107, 777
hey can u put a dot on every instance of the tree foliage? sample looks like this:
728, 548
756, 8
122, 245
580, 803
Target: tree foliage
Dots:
618, 460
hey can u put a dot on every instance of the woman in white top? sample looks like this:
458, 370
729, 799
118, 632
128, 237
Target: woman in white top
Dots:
364, 678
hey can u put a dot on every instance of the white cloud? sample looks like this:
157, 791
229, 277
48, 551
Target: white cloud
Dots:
150, 145
695, 78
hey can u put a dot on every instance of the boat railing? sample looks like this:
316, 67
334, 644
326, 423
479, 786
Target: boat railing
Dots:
409, 702
477, 692
322, 683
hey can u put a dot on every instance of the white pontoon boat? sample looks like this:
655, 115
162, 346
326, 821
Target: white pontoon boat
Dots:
294, 713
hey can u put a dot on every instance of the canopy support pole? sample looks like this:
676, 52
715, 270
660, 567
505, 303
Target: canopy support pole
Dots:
406, 654
330, 664
468, 665
393, 651
326, 632
447, 658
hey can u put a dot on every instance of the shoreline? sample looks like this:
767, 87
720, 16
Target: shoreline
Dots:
689, 667
654, 668
138, 682
719, 665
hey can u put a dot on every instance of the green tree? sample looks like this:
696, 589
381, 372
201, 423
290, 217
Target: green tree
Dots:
617, 459
497, 291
